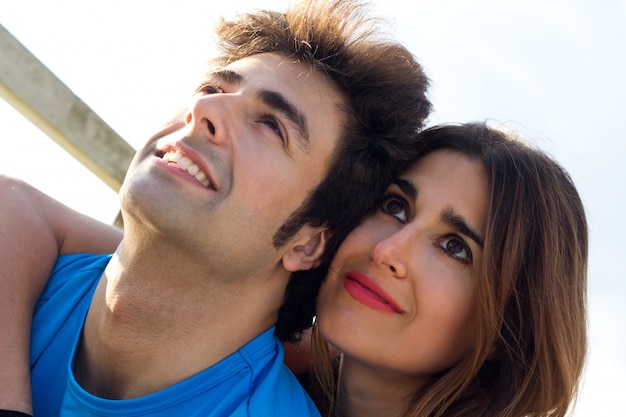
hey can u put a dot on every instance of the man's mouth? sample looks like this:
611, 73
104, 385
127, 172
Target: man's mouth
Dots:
181, 161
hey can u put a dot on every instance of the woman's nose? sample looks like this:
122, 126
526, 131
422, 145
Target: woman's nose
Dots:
390, 253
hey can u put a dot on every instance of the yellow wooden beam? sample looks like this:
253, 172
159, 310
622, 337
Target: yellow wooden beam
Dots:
33, 90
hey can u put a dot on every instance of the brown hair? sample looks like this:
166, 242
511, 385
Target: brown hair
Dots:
385, 89
531, 338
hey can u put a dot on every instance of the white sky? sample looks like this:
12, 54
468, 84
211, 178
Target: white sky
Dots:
552, 69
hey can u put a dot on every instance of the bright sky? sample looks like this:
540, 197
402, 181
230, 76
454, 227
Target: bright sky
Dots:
551, 69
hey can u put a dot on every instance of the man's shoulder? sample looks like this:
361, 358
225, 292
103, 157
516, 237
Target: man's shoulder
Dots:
80, 262
76, 270
276, 388
71, 283
57, 323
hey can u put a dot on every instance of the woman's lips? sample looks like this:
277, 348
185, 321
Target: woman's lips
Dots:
366, 291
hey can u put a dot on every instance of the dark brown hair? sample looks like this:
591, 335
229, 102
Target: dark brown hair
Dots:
385, 89
530, 342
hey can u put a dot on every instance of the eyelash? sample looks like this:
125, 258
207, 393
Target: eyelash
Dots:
276, 126
210, 88
441, 244
396, 198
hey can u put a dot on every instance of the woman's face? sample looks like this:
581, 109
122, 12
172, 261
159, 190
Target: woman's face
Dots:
400, 296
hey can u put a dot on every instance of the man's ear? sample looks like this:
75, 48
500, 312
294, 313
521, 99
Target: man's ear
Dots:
306, 248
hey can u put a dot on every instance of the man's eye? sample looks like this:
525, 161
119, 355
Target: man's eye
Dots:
209, 88
397, 207
455, 247
271, 122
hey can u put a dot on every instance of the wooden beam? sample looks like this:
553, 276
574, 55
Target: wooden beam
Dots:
33, 90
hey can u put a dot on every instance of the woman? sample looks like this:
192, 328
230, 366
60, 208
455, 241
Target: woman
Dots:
464, 294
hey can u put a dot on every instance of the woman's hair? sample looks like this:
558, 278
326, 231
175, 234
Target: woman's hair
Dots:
531, 331
385, 90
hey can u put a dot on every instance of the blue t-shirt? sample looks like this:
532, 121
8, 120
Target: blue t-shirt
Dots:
251, 382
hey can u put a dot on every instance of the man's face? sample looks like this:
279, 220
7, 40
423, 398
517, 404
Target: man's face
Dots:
256, 139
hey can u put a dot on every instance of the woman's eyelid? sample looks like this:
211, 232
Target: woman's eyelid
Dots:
473, 249
394, 191
407, 200
441, 243
396, 196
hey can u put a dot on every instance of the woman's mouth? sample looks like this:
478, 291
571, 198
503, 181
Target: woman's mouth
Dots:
366, 291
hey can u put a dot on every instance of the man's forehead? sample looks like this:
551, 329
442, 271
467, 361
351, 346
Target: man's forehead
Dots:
267, 66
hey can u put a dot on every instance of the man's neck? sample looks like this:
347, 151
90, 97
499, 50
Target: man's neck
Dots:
155, 322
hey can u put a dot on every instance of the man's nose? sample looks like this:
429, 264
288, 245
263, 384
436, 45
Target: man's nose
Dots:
211, 117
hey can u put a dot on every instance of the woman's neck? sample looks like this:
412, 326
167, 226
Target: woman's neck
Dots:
366, 391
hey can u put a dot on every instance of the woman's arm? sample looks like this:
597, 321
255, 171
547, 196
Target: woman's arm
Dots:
34, 230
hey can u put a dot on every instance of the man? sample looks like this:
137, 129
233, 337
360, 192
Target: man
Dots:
302, 121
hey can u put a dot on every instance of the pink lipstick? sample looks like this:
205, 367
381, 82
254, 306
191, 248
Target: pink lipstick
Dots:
366, 291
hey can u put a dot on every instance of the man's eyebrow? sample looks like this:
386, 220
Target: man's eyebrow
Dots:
280, 103
228, 76
458, 222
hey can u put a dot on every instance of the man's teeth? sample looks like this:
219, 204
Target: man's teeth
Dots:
185, 163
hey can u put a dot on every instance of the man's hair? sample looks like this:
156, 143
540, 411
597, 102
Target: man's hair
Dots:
385, 89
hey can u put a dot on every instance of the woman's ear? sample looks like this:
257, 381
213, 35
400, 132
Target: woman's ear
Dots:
306, 249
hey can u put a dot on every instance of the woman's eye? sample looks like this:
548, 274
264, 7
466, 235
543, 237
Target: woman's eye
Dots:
456, 248
397, 207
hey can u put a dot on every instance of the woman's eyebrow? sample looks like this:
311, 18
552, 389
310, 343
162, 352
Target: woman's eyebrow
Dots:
407, 187
458, 222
